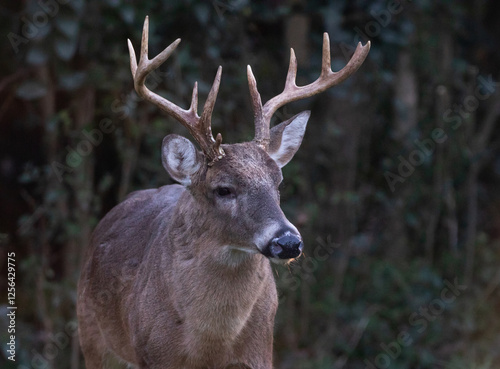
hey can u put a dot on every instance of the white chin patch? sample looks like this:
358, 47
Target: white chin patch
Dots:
242, 249
235, 256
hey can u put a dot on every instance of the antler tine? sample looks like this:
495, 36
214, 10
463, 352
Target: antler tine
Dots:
206, 118
194, 99
133, 59
199, 127
261, 133
292, 92
326, 63
145, 41
291, 75
254, 93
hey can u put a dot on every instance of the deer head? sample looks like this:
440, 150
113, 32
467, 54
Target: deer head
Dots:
237, 184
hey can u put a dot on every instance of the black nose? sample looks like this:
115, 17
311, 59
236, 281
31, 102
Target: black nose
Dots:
288, 246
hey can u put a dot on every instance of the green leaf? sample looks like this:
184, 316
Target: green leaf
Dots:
105, 184
31, 90
65, 48
72, 81
202, 13
113, 3
68, 26
37, 55
128, 14
43, 32
78, 6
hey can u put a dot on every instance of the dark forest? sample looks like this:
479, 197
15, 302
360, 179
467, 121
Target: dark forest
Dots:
395, 188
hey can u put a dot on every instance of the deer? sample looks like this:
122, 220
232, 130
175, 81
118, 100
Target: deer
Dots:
180, 277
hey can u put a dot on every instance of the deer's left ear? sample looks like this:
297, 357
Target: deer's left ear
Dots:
286, 138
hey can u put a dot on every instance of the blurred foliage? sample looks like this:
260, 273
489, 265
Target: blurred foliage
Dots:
75, 139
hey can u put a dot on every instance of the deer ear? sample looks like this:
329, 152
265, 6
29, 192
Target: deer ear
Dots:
180, 158
286, 138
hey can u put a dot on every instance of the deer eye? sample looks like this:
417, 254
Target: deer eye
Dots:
223, 191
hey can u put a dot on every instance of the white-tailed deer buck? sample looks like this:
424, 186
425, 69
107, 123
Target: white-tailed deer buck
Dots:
179, 277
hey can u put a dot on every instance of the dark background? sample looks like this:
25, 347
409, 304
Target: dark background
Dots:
395, 187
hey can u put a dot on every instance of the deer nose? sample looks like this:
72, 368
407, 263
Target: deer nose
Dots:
287, 246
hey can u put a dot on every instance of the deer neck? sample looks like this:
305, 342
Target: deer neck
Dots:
215, 285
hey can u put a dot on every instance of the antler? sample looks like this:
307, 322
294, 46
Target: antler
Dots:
292, 92
199, 127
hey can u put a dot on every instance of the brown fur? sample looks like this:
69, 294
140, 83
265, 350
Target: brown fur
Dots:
158, 288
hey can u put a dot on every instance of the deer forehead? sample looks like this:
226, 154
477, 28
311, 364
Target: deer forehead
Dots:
245, 164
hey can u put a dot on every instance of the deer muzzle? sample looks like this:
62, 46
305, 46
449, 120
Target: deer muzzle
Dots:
286, 246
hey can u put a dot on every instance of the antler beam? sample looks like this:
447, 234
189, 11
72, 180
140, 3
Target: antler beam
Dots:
199, 127
292, 92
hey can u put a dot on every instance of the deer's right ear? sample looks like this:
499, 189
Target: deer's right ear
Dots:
180, 158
